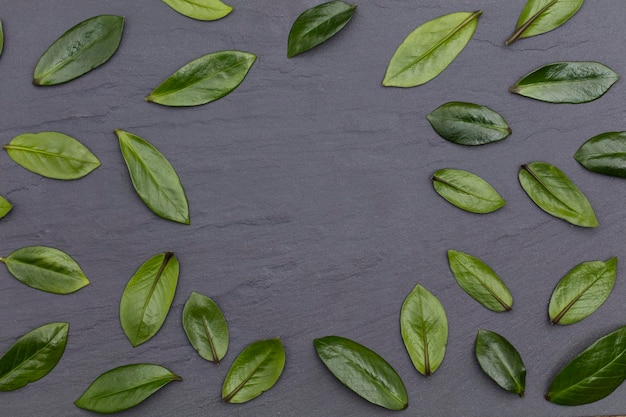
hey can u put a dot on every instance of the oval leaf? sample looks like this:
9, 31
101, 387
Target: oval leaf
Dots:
148, 296
424, 327
480, 281
5, 207
593, 374
53, 155
567, 82
468, 123
200, 9
467, 191
363, 371
582, 291
154, 178
501, 361
33, 356
555, 194
205, 327
604, 154
84, 47
124, 387
318, 24
46, 269
429, 49
204, 80
541, 16
256, 370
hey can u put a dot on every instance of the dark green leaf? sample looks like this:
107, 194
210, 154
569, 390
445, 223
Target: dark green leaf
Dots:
204, 80
468, 124
480, 281
124, 387
593, 374
200, 9
555, 194
582, 291
467, 191
53, 155
567, 82
5, 207
154, 178
363, 371
84, 47
33, 356
205, 327
429, 49
541, 16
256, 370
46, 269
424, 327
148, 297
604, 154
501, 361
317, 25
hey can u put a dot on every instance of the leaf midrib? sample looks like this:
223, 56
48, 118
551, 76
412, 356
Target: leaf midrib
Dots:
166, 258
456, 187
28, 264
242, 384
484, 285
48, 153
519, 87
545, 187
484, 125
166, 379
202, 6
328, 20
569, 305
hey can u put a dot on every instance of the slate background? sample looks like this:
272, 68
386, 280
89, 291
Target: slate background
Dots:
311, 206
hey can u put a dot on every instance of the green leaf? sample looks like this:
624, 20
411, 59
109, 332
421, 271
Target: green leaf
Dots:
467, 191
541, 16
154, 178
363, 371
204, 80
205, 327
567, 82
200, 9
148, 297
480, 282
46, 269
468, 123
256, 370
604, 154
5, 207
84, 47
593, 374
429, 49
424, 328
124, 387
501, 361
318, 24
582, 291
53, 155
1, 38
33, 356
555, 194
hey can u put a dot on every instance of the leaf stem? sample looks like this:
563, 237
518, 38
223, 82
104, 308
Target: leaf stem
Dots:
520, 31
3, 260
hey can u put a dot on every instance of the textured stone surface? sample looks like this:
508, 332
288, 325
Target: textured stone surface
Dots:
311, 206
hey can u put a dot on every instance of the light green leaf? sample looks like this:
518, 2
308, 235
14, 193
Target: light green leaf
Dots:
5, 207
541, 16
205, 327
604, 154
501, 361
200, 9
467, 191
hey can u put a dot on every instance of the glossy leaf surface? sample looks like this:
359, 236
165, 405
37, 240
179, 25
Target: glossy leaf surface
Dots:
154, 178
363, 371
204, 80
582, 291
84, 47
468, 123
424, 328
200, 9
53, 155
46, 269
480, 281
541, 16
429, 49
205, 327
604, 154
318, 24
500, 361
593, 374
567, 82
124, 387
256, 370
148, 297
5, 207
33, 356
467, 191
555, 194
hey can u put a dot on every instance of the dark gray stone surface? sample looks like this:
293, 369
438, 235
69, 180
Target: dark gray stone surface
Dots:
311, 206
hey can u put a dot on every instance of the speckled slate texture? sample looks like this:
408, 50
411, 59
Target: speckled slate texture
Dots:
312, 211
